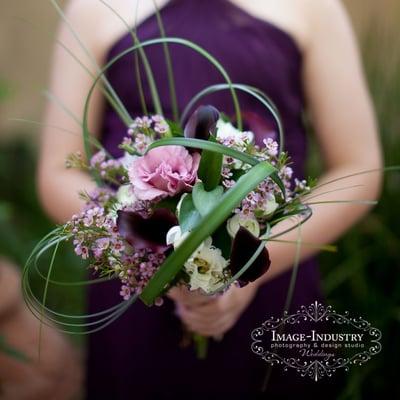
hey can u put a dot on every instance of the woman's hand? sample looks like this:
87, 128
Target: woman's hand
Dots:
212, 315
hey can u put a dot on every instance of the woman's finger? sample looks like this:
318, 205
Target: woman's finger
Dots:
188, 315
208, 326
211, 330
187, 297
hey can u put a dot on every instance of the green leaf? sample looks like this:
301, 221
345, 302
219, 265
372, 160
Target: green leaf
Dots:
205, 145
175, 129
188, 217
210, 167
209, 224
5, 211
168, 62
203, 200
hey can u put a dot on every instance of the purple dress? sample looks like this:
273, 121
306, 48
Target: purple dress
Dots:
139, 355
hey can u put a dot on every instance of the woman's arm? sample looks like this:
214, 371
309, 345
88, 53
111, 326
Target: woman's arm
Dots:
98, 28
344, 122
58, 187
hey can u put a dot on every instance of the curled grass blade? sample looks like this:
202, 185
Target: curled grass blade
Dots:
258, 94
323, 247
118, 102
289, 297
217, 148
168, 62
361, 202
149, 73
305, 214
50, 96
137, 69
306, 197
369, 171
45, 291
83, 66
183, 42
205, 145
38, 306
94, 141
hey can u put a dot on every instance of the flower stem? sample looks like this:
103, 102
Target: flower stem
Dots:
201, 344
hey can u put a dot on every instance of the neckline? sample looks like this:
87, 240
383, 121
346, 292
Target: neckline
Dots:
266, 22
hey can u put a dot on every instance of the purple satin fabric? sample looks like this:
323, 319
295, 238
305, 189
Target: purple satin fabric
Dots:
138, 356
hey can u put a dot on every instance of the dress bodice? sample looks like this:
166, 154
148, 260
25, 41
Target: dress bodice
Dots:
253, 52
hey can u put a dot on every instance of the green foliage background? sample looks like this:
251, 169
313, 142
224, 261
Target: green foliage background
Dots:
363, 276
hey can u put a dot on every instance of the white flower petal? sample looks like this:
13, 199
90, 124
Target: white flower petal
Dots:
127, 160
251, 224
125, 196
173, 235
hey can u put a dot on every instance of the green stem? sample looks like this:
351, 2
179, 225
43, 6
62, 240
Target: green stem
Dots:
201, 345
168, 62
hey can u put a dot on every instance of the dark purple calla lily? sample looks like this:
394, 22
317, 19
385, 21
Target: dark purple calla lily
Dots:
244, 245
146, 232
202, 123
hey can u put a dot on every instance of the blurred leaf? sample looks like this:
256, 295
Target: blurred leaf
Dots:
5, 91
5, 212
11, 351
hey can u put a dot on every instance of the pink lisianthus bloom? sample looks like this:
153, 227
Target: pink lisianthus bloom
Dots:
164, 171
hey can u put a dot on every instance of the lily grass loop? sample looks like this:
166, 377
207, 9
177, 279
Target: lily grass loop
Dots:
221, 149
138, 47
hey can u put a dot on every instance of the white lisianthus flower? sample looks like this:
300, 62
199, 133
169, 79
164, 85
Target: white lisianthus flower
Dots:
232, 137
127, 160
125, 196
175, 237
206, 269
269, 207
226, 130
251, 224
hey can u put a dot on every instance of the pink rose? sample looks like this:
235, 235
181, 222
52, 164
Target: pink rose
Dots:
164, 171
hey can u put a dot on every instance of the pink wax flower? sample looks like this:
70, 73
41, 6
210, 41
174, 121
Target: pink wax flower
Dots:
164, 171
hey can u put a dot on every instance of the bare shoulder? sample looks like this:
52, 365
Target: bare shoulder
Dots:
329, 24
99, 23
324, 8
287, 15
304, 20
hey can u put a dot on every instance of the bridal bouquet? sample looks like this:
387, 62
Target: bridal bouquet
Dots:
190, 207
193, 201
162, 196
